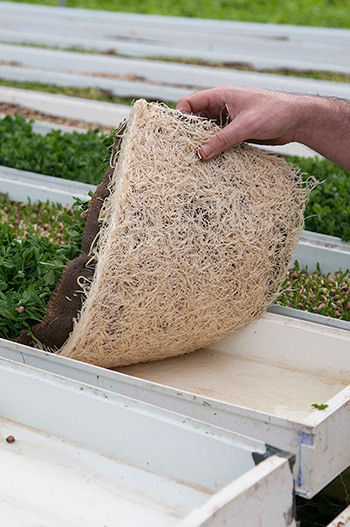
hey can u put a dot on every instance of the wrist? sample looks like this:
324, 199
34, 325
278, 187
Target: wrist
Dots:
325, 127
312, 111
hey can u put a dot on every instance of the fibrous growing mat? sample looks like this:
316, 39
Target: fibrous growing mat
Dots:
189, 251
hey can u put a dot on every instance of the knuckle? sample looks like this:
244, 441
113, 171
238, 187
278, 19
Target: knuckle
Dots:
184, 102
222, 140
224, 87
181, 101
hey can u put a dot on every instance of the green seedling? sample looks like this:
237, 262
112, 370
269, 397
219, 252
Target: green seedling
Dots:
328, 210
320, 406
31, 264
323, 294
77, 155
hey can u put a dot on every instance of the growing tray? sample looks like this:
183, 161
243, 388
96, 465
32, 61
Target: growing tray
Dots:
327, 251
331, 254
261, 382
284, 346
84, 456
21, 185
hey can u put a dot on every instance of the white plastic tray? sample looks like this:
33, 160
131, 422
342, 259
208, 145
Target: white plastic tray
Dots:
83, 456
20, 184
261, 382
330, 252
316, 367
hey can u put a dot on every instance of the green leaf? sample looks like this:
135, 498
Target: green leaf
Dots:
320, 406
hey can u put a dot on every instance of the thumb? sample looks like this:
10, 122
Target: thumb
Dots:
222, 140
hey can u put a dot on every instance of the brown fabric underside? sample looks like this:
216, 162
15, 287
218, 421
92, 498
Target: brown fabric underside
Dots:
66, 300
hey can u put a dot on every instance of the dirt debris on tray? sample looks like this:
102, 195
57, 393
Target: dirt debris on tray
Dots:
29, 113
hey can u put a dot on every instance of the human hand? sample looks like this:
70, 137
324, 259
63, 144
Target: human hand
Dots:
259, 116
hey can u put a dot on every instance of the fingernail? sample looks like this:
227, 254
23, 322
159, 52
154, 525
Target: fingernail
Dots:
205, 151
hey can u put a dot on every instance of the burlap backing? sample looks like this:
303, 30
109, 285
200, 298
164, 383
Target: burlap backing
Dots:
190, 251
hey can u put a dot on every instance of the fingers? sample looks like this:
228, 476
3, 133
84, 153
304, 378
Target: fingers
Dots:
208, 103
213, 104
259, 115
232, 134
184, 105
195, 103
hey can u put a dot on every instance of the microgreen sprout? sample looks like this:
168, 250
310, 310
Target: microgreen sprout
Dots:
31, 263
320, 406
323, 294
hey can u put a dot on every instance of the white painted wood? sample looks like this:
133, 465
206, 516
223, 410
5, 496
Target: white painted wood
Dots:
104, 113
291, 149
277, 369
309, 317
146, 41
268, 510
260, 382
281, 33
85, 457
262, 45
329, 251
44, 127
307, 349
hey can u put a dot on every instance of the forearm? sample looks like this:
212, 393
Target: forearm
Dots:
325, 127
